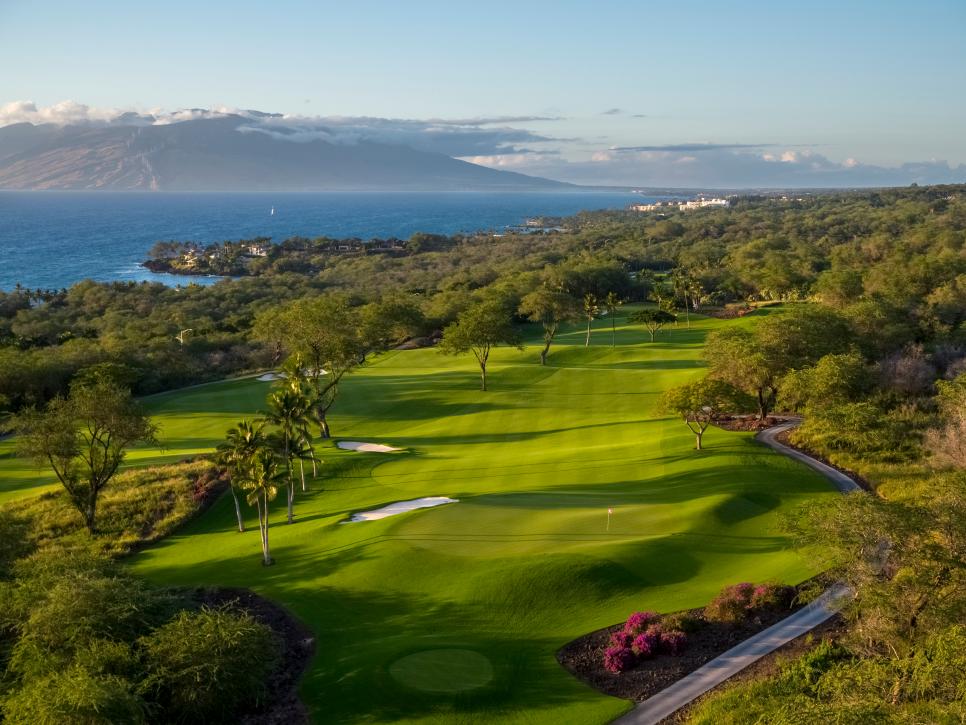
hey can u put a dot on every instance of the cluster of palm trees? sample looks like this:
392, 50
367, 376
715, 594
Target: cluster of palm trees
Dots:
260, 455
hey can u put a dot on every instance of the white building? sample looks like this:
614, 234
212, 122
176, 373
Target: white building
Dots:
701, 203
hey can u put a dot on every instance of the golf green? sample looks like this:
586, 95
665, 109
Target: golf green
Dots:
453, 614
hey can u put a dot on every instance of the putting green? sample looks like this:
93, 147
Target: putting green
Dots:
443, 670
526, 560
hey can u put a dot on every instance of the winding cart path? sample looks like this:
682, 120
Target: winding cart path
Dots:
671, 699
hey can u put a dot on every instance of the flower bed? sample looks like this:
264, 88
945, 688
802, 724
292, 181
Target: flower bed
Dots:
649, 652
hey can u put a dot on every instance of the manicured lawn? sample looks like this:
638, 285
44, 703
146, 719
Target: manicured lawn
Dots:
412, 610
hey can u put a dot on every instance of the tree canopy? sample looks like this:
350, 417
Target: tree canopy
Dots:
478, 330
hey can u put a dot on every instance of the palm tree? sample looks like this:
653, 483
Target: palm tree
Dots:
261, 477
240, 444
684, 285
302, 451
287, 410
591, 308
612, 302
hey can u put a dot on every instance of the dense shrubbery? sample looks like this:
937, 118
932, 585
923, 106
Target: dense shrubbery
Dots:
89, 643
829, 684
643, 635
205, 665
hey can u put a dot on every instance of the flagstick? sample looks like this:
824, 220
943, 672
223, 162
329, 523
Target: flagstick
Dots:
609, 512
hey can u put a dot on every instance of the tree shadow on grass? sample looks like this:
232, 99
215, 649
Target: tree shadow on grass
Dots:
422, 442
362, 632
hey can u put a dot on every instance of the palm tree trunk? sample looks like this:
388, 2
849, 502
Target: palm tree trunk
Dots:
263, 526
302, 474
613, 331
587, 339
238, 513
291, 482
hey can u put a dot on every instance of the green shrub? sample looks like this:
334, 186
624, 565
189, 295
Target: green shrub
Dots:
206, 665
65, 605
681, 622
73, 695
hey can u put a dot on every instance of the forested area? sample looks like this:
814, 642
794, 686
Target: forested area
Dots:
875, 364
890, 261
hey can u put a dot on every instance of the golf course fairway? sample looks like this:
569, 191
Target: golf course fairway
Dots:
453, 614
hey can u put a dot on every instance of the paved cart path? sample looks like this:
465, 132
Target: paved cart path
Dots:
671, 699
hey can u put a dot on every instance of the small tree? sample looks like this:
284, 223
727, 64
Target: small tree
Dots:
84, 439
591, 310
653, 320
833, 380
479, 329
702, 402
612, 303
548, 307
261, 478
241, 443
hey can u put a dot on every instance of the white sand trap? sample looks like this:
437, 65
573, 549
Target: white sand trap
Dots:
366, 447
401, 507
271, 377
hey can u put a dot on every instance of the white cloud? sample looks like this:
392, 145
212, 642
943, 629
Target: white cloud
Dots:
479, 136
731, 168
65, 112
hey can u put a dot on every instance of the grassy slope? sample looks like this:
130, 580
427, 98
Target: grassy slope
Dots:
523, 563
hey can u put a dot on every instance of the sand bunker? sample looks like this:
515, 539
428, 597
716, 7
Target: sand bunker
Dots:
365, 447
271, 377
401, 507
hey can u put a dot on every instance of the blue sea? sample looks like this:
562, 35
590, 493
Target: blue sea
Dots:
54, 239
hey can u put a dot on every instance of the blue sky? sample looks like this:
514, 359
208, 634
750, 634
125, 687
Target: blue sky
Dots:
844, 90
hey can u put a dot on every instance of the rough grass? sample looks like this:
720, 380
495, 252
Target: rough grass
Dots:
137, 507
525, 562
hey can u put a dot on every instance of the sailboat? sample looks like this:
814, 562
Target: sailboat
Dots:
272, 213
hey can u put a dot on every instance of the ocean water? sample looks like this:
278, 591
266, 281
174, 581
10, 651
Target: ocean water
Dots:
54, 239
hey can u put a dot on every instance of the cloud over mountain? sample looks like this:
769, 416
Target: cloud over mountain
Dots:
454, 137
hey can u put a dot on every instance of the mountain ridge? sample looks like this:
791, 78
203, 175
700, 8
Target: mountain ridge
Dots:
220, 154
